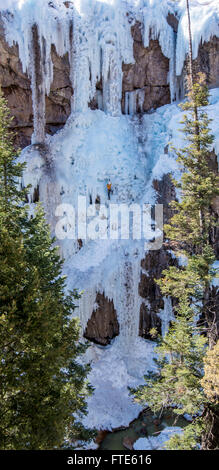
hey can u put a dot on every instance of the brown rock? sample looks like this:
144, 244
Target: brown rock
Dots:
173, 21
165, 194
128, 443
103, 325
148, 73
16, 87
101, 436
148, 320
208, 61
153, 265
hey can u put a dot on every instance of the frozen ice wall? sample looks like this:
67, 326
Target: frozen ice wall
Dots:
97, 36
205, 24
101, 43
97, 145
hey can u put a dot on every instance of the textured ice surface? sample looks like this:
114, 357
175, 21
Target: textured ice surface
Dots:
205, 24
96, 145
97, 36
79, 161
114, 369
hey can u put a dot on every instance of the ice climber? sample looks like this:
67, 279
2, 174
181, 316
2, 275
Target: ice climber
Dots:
109, 188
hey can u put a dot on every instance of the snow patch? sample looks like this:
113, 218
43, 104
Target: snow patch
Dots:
157, 442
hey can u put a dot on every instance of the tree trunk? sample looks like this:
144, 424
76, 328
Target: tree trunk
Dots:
210, 438
191, 71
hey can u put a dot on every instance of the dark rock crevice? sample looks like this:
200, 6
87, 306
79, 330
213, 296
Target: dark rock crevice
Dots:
153, 265
103, 325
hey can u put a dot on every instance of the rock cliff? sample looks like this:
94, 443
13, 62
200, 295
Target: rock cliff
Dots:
145, 83
103, 325
147, 79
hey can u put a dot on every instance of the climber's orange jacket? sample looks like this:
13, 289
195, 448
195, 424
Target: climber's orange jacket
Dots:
109, 185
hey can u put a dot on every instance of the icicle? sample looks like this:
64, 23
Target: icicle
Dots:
102, 39
205, 25
141, 97
166, 315
112, 81
99, 98
35, 26
156, 27
86, 306
126, 102
38, 86
134, 101
129, 302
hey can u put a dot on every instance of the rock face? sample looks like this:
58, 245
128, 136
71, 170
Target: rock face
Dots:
152, 266
128, 443
149, 74
17, 89
146, 80
165, 194
16, 86
103, 325
208, 61
148, 321
58, 103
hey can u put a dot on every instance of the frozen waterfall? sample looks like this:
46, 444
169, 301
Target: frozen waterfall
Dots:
95, 145
97, 37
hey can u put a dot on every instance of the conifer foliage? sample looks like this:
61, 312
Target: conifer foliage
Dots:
178, 382
43, 385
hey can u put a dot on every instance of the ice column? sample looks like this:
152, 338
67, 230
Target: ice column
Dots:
134, 100
112, 80
129, 302
38, 86
84, 61
166, 315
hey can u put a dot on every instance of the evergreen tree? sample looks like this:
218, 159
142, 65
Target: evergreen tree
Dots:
192, 228
178, 381
210, 381
43, 382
